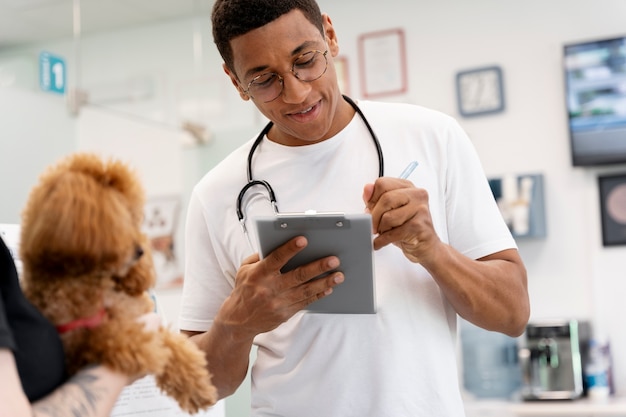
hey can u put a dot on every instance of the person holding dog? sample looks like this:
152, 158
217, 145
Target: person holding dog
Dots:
33, 381
442, 249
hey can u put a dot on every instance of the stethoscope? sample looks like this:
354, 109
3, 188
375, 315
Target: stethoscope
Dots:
272, 196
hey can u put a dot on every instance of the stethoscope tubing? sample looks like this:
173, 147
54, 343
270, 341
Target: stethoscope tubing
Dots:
272, 196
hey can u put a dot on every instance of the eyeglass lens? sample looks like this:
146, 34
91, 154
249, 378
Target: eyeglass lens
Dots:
307, 67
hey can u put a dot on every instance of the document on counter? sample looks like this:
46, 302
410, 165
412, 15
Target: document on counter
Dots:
144, 398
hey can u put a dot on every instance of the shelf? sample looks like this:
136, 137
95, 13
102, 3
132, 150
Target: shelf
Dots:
521, 202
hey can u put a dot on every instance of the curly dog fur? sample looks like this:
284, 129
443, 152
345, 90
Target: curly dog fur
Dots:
87, 267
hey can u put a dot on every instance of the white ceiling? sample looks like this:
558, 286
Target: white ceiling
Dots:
25, 21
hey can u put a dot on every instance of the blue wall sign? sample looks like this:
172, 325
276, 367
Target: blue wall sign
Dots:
52, 73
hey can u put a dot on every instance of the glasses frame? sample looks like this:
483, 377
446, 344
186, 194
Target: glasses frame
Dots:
295, 74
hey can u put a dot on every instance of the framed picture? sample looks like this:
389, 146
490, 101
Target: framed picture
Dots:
382, 62
613, 209
161, 215
341, 68
480, 91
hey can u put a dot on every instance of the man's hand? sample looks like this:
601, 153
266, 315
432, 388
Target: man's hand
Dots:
400, 215
263, 297
490, 292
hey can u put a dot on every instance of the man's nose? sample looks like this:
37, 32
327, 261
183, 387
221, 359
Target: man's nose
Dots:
294, 90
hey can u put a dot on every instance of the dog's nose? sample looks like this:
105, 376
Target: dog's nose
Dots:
138, 252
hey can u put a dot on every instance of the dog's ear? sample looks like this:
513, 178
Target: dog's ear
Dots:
82, 218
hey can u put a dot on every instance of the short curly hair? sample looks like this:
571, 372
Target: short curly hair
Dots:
232, 18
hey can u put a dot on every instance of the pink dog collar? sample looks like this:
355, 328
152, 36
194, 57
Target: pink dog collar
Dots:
86, 322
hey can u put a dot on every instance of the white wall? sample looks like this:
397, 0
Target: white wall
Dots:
570, 273
28, 143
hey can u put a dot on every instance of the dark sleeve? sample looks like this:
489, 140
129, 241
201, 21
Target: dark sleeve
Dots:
33, 339
7, 274
6, 338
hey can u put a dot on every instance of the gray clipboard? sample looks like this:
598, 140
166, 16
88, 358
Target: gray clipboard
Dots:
347, 236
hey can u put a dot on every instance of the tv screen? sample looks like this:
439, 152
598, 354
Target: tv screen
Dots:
595, 85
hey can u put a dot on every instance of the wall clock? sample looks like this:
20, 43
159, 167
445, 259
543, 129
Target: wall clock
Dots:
480, 91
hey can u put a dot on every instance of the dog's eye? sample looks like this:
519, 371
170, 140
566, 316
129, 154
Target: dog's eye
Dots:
138, 252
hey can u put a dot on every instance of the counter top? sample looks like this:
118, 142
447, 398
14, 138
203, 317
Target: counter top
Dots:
615, 407
583, 407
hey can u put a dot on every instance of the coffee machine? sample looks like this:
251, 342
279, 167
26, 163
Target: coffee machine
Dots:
552, 356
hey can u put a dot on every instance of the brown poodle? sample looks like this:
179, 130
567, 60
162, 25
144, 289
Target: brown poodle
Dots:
87, 267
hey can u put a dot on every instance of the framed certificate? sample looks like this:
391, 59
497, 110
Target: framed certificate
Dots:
343, 79
383, 63
613, 209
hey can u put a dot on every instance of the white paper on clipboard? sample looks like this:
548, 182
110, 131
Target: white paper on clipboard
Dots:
144, 398
347, 236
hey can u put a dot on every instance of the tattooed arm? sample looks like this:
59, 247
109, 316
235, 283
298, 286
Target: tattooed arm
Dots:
92, 392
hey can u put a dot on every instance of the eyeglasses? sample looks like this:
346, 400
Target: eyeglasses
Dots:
307, 67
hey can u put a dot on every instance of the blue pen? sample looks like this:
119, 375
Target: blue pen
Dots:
407, 171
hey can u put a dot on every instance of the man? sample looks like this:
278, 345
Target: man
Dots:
442, 248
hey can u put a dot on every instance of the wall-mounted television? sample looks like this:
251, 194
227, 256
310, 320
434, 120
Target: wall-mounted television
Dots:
595, 86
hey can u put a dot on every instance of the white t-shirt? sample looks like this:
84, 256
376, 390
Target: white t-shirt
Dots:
398, 362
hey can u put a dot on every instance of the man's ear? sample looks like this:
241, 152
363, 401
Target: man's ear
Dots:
331, 35
235, 81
